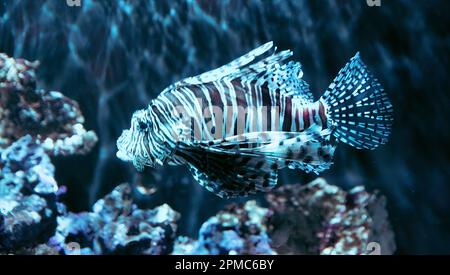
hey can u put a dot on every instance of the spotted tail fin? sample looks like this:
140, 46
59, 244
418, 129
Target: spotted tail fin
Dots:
358, 107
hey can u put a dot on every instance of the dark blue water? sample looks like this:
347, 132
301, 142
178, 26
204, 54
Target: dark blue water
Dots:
114, 56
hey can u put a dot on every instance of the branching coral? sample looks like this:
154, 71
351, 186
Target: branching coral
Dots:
117, 226
316, 218
33, 125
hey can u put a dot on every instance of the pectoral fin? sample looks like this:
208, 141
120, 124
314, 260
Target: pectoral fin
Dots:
231, 175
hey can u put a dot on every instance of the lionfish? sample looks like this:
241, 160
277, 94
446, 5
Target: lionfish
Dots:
237, 125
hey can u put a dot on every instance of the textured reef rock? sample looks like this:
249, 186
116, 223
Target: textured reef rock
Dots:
237, 230
33, 125
48, 116
117, 226
319, 218
316, 218
27, 196
32, 225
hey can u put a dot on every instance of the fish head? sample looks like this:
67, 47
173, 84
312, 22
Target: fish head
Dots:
134, 145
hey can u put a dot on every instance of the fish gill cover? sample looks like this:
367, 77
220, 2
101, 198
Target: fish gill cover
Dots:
62, 188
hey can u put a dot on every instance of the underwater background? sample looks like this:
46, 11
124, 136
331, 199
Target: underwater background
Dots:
113, 57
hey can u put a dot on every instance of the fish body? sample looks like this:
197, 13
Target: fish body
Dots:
237, 125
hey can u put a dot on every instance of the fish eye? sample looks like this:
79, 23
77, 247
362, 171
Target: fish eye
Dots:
142, 125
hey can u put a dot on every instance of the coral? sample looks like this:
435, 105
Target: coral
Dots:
117, 226
48, 116
33, 125
33, 222
187, 246
27, 196
319, 218
41, 249
237, 230
316, 218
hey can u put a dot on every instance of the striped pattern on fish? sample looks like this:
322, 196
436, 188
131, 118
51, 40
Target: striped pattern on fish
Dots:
237, 125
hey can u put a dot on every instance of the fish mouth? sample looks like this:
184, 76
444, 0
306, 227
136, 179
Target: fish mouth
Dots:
124, 156
122, 143
125, 151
